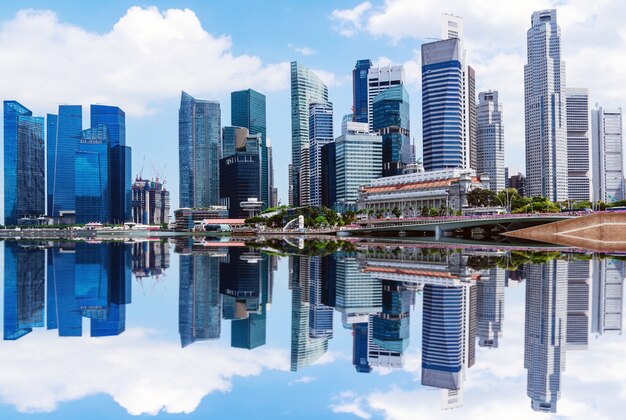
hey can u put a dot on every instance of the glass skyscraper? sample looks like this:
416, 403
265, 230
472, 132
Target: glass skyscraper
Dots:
92, 183
199, 147
320, 134
359, 90
248, 110
391, 122
306, 88
120, 168
329, 175
62, 146
24, 173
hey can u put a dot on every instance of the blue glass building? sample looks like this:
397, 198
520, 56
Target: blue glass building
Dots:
120, 167
233, 138
24, 289
92, 176
442, 105
62, 145
391, 121
359, 347
320, 134
24, 165
240, 176
199, 151
359, 90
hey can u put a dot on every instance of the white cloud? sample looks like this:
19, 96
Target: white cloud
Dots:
306, 51
142, 374
303, 380
149, 55
593, 36
349, 21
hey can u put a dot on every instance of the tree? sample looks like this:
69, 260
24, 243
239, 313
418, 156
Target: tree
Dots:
320, 221
480, 197
396, 212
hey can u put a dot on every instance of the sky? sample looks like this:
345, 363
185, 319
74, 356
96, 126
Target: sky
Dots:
139, 56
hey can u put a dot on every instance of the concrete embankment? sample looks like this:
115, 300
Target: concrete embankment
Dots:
605, 232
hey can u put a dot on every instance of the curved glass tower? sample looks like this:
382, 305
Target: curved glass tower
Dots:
391, 121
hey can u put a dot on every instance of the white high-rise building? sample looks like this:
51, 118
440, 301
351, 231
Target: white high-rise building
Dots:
380, 79
578, 146
608, 154
490, 140
545, 109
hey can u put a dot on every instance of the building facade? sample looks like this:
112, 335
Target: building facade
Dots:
391, 122
608, 154
248, 110
380, 79
24, 164
545, 109
240, 176
151, 202
359, 90
92, 181
578, 145
490, 139
320, 134
199, 147
328, 157
359, 160
306, 88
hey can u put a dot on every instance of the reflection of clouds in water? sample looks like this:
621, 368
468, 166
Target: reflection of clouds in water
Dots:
592, 385
142, 374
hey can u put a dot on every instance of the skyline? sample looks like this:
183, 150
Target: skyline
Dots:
211, 40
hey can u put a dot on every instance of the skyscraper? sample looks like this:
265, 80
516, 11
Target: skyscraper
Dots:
490, 140
607, 296
545, 332
320, 134
306, 88
578, 304
578, 147
62, 145
490, 307
24, 164
120, 169
545, 109
359, 160
359, 90
248, 110
608, 154
329, 175
199, 147
92, 181
232, 139
391, 122
380, 79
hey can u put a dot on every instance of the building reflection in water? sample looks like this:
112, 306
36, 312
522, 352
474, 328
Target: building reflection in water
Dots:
150, 258
83, 281
222, 281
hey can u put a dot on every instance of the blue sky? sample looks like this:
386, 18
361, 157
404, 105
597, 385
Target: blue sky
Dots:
141, 55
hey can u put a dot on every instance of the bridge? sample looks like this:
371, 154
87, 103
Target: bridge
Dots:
492, 224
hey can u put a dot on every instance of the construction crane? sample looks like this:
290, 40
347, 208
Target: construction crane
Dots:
143, 162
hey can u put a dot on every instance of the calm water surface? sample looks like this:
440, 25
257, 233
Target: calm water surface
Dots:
310, 330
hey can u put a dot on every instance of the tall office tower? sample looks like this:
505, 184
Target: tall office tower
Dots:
306, 88
608, 154
490, 307
320, 314
199, 151
445, 333
305, 348
200, 308
359, 160
24, 164
359, 347
24, 288
270, 163
380, 79
63, 135
329, 175
390, 327
490, 140
320, 134
448, 100
391, 122
607, 296
578, 304
545, 109
247, 109
359, 90
578, 146
92, 182
240, 176
120, 165
233, 138
545, 332
356, 293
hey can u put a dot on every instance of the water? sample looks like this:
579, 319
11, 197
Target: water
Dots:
309, 330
